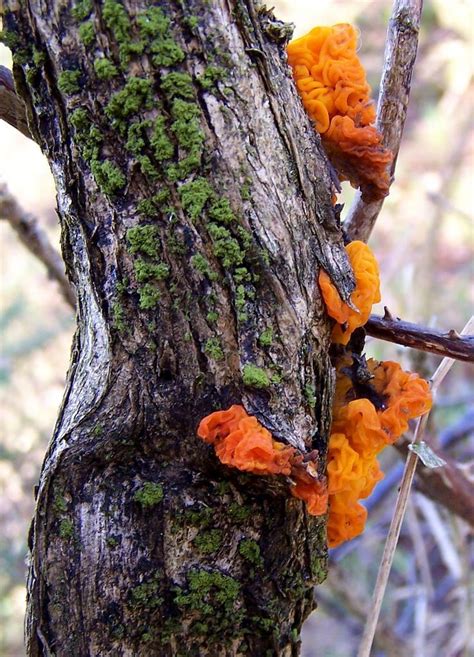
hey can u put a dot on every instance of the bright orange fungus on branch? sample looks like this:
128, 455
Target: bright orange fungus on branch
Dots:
240, 441
366, 293
359, 432
332, 84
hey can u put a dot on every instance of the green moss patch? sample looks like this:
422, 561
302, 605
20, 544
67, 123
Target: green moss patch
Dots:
68, 82
108, 177
104, 68
255, 377
213, 349
143, 239
149, 494
208, 541
136, 96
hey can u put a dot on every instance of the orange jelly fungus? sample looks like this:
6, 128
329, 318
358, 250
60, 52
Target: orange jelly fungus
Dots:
333, 87
406, 396
240, 441
365, 294
359, 432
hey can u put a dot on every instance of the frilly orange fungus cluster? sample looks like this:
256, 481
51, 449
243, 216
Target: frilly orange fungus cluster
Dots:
333, 87
361, 428
241, 442
365, 294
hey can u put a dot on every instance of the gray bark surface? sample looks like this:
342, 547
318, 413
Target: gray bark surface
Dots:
142, 543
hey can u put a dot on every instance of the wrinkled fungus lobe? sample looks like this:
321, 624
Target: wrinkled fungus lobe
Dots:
241, 442
359, 432
365, 294
333, 87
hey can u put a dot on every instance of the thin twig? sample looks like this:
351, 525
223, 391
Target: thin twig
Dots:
423, 338
12, 108
36, 241
399, 60
399, 513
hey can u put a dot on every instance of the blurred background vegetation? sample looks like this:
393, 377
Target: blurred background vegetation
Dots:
424, 241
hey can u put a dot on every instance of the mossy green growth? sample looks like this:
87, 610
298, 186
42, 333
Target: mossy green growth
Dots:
188, 134
117, 20
146, 271
202, 265
104, 69
178, 84
149, 494
242, 316
310, 394
108, 176
161, 144
150, 207
66, 528
212, 595
149, 295
211, 75
239, 513
136, 136
60, 504
98, 430
82, 9
255, 377
245, 191
136, 96
192, 22
242, 275
266, 337
39, 57
153, 23
9, 38
68, 82
212, 317
143, 239
221, 212
118, 316
245, 237
181, 110
250, 551
194, 196
213, 349
225, 247
88, 136
87, 33
166, 52
146, 595
208, 541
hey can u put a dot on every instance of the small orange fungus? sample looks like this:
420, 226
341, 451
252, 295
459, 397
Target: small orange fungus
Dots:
365, 294
241, 442
406, 396
314, 493
345, 522
333, 86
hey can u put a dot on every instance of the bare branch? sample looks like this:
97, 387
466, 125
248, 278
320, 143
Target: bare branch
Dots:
36, 241
400, 55
12, 109
423, 338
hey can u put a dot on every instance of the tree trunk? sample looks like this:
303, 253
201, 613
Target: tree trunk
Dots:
195, 206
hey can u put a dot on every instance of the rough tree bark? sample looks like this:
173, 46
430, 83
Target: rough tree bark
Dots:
195, 206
